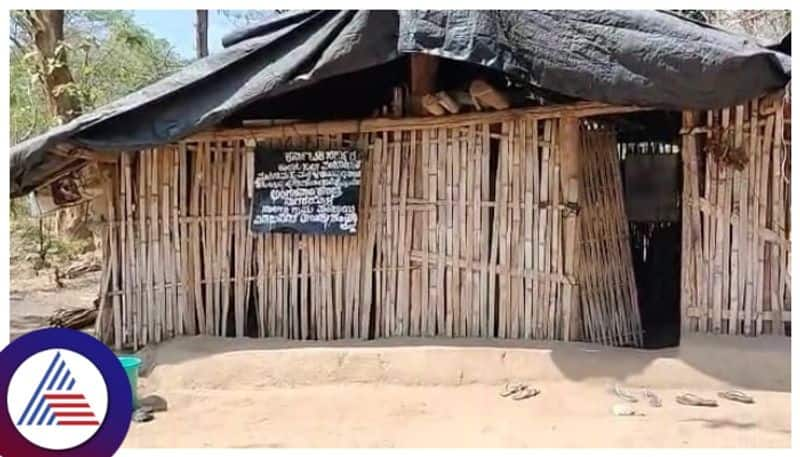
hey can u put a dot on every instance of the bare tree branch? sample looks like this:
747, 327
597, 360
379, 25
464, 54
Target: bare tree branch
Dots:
16, 43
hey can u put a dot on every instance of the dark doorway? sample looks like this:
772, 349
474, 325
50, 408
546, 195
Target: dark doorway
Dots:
652, 182
657, 266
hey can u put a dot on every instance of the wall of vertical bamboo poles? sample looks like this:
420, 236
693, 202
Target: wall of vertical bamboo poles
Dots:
735, 262
465, 230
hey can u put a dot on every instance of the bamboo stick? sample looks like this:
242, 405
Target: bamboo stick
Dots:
762, 286
143, 261
735, 289
459, 231
441, 245
402, 324
472, 233
224, 168
554, 231
123, 316
112, 264
430, 146
425, 230
378, 234
447, 240
486, 290
780, 254
195, 243
154, 256
366, 232
532, 259
168, 268
516, 252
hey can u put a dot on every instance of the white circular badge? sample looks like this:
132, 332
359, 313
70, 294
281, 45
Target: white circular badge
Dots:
57, 399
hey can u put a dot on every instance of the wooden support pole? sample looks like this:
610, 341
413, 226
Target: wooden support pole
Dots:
423, 71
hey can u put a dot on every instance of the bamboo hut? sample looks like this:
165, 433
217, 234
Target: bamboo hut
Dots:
361, 174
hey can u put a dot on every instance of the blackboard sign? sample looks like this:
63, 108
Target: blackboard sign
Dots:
306, 191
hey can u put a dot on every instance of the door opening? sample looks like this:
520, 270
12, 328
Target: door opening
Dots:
652, 185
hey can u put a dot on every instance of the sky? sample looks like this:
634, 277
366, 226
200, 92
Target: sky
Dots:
177, 27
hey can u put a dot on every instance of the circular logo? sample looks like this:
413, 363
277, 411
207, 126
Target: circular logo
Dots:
49, 398
65, 394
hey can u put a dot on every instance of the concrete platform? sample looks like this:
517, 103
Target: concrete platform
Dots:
706, 361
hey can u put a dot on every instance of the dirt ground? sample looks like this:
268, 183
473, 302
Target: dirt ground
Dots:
440, 393
275, 393
381, 415
34, 298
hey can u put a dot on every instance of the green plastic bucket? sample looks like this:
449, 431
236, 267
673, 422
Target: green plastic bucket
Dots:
131, 365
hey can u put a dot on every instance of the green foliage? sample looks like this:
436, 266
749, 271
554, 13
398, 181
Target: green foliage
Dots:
36, 244
108, 54
28, 104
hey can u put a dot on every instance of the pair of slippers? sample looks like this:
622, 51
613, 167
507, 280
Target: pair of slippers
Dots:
648, 395
519, 391
735, 395
732, 395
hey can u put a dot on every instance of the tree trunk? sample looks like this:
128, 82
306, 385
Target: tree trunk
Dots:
46, 27
201, 34
47, 30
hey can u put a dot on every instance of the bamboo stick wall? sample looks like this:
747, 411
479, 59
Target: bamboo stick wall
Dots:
735, 267
469, 229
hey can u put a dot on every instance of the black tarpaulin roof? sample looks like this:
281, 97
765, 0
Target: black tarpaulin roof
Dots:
645, 58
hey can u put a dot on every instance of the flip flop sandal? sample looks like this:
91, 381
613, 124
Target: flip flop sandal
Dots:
624, 395
511, 389
624, 409
653, 399
694, 400
142, 415
735, 395
526, 392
